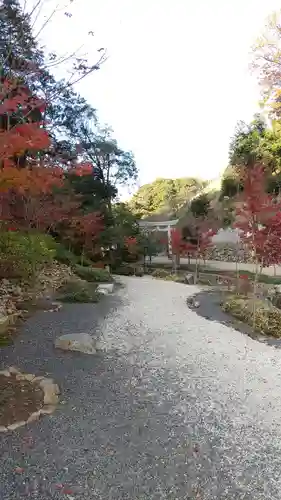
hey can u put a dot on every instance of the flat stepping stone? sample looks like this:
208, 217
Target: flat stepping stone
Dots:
81, 342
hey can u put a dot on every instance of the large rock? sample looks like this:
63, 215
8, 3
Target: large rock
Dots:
189, 279
105, 288
81, 342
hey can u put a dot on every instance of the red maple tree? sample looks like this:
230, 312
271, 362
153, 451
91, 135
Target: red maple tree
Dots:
131, 244
84, 230
258, 219
21, 128
259, 222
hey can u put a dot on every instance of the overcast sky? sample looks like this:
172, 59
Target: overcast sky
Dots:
176, 80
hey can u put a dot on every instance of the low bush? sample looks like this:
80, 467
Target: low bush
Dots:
65, 256
78, 291
129, 270
22, 255
167, 276
125, 270
161, 273
92, 274
267, 317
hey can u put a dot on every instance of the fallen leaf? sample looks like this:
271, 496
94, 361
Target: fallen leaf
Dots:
18, 470
67, 491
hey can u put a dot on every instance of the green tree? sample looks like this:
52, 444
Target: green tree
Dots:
165, 196
251, 145
200, 206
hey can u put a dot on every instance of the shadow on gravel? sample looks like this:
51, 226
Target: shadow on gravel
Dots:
33, 349
210, 308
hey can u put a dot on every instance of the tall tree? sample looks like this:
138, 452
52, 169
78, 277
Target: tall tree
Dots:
267, 63
165, 196
254, 143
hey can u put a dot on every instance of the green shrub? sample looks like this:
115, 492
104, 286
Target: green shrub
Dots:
22, 255
125, 270
65, 256
161, 273
267, 317
78, 291
92, 274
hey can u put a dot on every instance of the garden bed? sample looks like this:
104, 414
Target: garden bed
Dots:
210, 307
18, 399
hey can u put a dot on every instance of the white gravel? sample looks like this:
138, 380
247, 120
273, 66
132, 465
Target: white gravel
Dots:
222, 391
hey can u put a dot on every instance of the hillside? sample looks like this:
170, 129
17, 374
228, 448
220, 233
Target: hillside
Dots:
165, 196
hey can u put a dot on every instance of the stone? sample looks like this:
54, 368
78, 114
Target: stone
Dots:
191, 302
46, 381
34, 416
29, 377
105, 288
6, 373
189, 279
56, 389
36, 380
13, 427
47, 409
13, 370
50, 398
3, 428
81, 342
50, 392
102, 291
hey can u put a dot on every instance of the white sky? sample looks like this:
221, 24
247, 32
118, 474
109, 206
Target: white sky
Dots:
177, 79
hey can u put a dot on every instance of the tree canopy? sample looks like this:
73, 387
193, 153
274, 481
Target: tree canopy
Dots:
60, 167
165, 196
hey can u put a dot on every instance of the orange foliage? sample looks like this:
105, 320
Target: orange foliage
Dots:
18, 131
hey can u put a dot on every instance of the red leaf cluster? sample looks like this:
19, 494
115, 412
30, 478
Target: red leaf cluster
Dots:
85, 228
203, 236
25, 134
82, 169
29, 198
131, 244
259, 219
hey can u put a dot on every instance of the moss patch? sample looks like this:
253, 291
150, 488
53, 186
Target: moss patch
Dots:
79, 291
92, 274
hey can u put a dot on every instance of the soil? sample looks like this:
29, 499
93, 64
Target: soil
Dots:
18, 399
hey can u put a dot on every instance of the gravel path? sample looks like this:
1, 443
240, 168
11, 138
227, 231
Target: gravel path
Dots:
221, 265
178, 407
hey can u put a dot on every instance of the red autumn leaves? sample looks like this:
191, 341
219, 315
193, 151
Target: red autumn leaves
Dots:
19, 131
259, 219
30, 194
203, 237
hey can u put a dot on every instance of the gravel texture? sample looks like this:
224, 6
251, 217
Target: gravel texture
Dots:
177, 407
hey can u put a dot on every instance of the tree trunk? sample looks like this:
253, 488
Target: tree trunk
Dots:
255, 293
